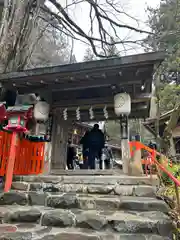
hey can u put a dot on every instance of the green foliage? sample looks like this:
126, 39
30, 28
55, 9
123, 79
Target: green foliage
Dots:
175, 170
165, 24
135, 127
169, 94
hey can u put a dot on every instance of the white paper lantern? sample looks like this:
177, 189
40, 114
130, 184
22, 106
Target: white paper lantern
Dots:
122, 104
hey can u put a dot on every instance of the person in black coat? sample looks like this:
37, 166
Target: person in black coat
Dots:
95, 143
71, 153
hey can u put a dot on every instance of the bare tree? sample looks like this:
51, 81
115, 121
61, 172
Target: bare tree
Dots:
20, 19
52, 48
105, 15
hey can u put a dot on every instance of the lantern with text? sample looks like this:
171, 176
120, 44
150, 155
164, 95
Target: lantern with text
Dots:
122, 104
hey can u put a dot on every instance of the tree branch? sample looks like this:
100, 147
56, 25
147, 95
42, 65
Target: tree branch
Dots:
102, 19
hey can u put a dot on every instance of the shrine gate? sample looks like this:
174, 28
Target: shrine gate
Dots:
74, 91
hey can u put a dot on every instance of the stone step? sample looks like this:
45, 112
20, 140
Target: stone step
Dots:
26, 232
116, 189
121, 222
83, 201
89, 179
67, 201
84, 172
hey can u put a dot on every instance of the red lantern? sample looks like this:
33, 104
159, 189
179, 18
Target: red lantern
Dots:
16, 123
17, 118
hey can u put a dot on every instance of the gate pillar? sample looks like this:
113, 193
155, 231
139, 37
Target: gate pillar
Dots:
122, 108
59, 140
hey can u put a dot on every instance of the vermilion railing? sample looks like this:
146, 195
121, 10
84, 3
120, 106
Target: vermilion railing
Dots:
29, 157
153, 153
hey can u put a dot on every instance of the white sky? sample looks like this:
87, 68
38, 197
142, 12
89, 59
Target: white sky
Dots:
135, 8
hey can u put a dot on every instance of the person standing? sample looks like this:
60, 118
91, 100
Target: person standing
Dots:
95, 143
107, 157
71, 154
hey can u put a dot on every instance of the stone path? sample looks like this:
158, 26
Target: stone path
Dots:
84, 207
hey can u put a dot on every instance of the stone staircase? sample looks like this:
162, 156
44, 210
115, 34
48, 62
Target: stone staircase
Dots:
84, 208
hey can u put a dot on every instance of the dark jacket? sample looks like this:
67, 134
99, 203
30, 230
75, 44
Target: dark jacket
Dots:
95, 139
71, 153
84, 140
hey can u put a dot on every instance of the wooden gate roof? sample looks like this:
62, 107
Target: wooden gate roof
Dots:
91, 83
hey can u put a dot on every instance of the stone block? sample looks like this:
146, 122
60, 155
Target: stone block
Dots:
58, 218
13, 197
144, 191
36, 198
75, 236
16, 236
35, 187
22, 186
99, 189
123, 190
133, 226
143, 204
76, 188
66, 200
98, 203
31, 215
92, 221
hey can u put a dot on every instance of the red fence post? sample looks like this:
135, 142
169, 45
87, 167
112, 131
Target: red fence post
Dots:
10, 163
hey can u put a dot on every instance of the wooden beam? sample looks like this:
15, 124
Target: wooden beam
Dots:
75, 86
97, 102
92, 66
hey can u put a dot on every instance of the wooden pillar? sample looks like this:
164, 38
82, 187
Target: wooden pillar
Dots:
59, 142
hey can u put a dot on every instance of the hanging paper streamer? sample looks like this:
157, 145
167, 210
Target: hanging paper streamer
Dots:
91, 113
105, 113
78, 115
65, 115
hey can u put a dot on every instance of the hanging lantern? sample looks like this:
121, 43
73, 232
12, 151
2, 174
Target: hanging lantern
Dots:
122, 104
16, 123
91, 113
65, 115
105, 113
78, 115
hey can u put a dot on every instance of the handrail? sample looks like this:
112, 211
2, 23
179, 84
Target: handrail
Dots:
170, 175
153, 152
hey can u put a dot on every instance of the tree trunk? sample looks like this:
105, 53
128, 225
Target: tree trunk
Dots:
167, 135
18, 33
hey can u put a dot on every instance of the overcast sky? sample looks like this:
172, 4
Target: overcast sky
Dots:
135, 8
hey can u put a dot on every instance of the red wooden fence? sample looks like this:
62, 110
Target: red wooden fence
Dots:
29, 157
